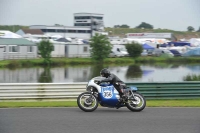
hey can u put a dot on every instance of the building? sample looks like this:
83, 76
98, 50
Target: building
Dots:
18, 48
65, 31
169, 36
62, 49
85, 26
77, 50
23, 32
93, 20
1, 52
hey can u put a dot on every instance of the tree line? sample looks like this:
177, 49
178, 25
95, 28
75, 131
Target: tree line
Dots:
140, 26
100, 49
145, 25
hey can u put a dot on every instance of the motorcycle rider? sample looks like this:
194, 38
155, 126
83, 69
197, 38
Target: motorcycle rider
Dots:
113, 79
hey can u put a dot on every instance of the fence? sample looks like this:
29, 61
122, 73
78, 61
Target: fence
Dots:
12, 57
169, 90
42, 91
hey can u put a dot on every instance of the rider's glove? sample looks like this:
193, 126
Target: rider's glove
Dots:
98, 82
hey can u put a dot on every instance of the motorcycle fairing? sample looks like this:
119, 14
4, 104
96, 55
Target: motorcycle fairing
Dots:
108, 96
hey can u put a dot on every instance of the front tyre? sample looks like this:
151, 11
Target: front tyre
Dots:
136, 102
87, 102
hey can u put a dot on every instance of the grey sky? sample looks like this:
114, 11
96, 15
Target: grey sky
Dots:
170, 14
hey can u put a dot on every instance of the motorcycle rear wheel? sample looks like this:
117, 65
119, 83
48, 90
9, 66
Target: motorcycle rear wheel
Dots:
87, 102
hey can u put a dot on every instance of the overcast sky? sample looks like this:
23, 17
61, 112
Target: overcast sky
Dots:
169, 14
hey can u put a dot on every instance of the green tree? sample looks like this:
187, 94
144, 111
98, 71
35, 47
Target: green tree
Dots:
134, 49
45, 48
116, 26
124, 26
198, 30
190, 28
13, 28
121, 26
100, 47
145, 26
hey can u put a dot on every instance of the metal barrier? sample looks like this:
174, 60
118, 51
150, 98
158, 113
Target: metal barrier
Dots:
42, 91
169, 90
12, 57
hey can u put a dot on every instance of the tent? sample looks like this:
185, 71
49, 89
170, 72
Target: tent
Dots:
195, 42
55, 37
147, 72
8, 34
146, 46
62, 40
179, 43
164, 45
175, 44
192, 52
85, 41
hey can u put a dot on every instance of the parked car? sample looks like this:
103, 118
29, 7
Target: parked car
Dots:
150, 51
119, 51
144, 53
157, 52
175, 52
167, 52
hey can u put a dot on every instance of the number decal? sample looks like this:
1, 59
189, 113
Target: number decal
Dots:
107, 92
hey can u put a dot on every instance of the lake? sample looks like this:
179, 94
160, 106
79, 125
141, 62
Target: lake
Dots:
127, 73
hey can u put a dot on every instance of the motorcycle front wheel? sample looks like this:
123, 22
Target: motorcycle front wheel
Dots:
136, 102
87, 102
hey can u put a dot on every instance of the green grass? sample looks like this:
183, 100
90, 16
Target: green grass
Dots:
60, 62
14, 104
123, 31
174, 103
150, 103
12, 64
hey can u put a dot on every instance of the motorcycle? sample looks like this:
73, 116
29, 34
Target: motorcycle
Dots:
106, 95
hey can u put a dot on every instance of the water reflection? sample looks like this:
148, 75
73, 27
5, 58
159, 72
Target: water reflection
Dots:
22, 75
192, 77
45, 76
95, 70
134, 71
127, 73
164, 65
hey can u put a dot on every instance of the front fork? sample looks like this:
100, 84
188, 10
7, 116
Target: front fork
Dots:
92, 93
131, 96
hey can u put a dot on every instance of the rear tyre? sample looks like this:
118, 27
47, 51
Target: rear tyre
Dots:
87, 102
136, 103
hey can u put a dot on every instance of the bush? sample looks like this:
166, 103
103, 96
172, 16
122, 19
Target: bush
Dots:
192, 77
100, 47
45, 48
13, 64
134, 49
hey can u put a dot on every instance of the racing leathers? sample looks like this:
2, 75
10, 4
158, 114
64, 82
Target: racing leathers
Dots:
113, 79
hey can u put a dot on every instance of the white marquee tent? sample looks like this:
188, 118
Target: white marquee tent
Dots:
8, 34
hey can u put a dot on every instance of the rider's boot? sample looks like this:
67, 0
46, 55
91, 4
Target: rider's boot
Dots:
120, 101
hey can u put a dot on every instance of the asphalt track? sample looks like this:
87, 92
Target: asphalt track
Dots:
103, 120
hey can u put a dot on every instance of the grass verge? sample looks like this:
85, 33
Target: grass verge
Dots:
12, 64
150, 103
60, 62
